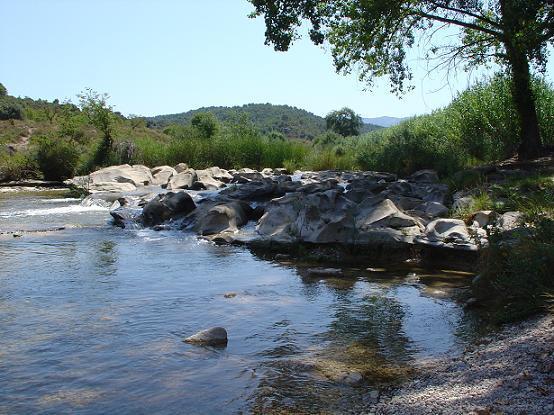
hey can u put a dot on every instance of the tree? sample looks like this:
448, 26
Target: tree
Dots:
101, 116
205, 123
3, 90
344, 122
373, 36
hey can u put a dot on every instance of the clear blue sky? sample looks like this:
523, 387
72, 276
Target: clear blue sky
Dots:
166, 56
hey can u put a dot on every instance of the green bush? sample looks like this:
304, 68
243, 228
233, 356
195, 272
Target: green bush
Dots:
10, 109
516, 276
18, 166
480, 126
57, 159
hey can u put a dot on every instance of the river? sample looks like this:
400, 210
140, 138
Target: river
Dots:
92, 319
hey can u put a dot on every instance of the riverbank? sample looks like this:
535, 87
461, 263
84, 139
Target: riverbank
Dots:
509, 372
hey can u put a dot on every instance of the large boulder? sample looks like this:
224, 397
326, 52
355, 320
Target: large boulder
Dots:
183, 180
221, 175
323, 217
110, 187
223, 217
181, 167
166, 206
136, 175
162, 174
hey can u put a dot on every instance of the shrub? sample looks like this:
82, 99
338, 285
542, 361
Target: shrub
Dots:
516, 271
57, 159
3, 90
18, 166
205, 123
10, 110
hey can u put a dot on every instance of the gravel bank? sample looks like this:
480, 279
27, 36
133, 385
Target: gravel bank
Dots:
510, 372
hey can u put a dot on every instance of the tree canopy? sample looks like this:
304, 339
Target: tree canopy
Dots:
373, 36
344, 122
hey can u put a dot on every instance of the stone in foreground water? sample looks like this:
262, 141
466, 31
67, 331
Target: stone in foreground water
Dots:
215, 336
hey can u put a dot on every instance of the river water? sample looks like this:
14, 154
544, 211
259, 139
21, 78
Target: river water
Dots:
92, 319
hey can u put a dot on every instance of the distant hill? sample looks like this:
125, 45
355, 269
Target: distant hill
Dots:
291, 121
384, 121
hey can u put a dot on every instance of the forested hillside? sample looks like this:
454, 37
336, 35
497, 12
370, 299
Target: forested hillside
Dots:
291, 121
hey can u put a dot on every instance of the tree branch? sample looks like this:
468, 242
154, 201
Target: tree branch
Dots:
498, 35
476, 16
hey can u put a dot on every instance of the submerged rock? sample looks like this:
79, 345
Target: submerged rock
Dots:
215, 336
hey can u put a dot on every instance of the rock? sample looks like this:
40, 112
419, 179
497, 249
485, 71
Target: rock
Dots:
253, 190
435, 209
330, 184
510, 220
482, 218
166, 206
206, 181
424, 176
221, 175
282, 257
123, 216
447, 233
230, 295
111, 187
352, 378
224, 217
181, 167
246, 175
280, 171
382, 213
323, 217
267, 172
462, 202
183, 180
162, 174
323, 272
215, 336
136, 175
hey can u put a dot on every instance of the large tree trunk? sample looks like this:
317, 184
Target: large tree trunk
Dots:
524, 100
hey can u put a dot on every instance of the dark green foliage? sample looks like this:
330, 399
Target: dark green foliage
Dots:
57, 158
10, 109
344, 122
94, 106
478, 127
205, 123
516, 271
372, 37
17, 167
3, 90
290, 121
328, 138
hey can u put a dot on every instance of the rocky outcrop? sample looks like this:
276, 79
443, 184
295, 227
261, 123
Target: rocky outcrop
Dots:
347, 208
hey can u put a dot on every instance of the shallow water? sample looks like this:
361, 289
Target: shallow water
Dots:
92, 320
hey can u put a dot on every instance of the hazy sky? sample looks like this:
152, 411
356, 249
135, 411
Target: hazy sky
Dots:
166, 56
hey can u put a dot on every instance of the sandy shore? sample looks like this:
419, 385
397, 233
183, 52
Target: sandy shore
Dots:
510, 372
